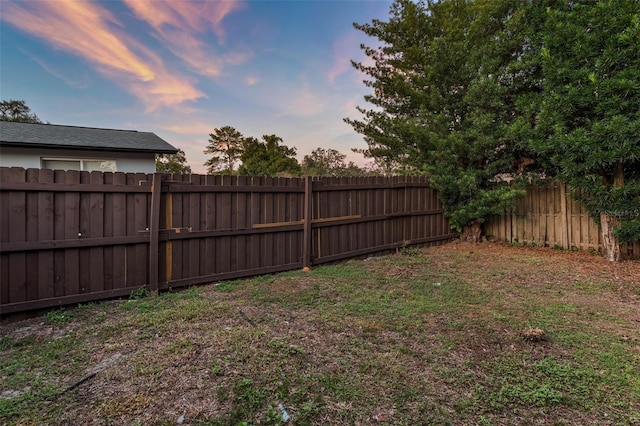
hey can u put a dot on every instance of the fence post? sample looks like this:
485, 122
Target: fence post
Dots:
564, 219
308, 212
154, 232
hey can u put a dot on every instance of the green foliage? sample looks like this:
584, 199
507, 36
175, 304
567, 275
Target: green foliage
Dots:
467, 200
471, 93
329, 162
629, 230
410, 251
452, 85
172, 163
268, 158
225, 147
323, 162
13, 110
58, 317
591, 105
140, 293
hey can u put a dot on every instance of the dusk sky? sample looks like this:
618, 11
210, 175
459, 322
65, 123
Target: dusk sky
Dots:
180, 69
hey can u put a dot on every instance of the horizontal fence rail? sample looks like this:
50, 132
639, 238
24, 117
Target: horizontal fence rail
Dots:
73, 237
549, 216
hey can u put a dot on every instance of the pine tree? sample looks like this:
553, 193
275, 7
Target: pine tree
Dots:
225, 147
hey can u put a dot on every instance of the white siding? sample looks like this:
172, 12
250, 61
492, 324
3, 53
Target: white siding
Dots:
138, 162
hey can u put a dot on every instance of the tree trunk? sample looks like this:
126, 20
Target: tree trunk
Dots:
610, 244
609, 222
471, 232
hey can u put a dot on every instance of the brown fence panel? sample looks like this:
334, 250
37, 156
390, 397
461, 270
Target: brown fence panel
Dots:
549, 216
72, 237
359, 216
224, 227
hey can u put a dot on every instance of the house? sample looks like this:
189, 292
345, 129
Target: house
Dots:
51, 146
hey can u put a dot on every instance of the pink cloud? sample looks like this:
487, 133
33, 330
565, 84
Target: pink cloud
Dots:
251, 80
195, 128
303, 102
180, 26
90, 31
344, 49
195, 16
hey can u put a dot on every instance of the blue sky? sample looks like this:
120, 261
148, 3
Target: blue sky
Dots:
181, 69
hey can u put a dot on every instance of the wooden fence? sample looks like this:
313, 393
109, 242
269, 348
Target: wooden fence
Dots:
72, 237
549, 216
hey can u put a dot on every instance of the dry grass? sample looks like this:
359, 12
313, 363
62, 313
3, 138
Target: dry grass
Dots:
456, 334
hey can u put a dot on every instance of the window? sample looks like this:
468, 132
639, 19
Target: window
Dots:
89, 165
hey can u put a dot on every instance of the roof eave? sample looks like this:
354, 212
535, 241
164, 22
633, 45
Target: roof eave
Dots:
86, 148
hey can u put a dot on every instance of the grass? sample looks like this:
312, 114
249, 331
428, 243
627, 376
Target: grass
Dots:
427, 336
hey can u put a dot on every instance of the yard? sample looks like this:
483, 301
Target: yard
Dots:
458, 334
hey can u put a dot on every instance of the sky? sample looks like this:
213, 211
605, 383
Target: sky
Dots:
181, 69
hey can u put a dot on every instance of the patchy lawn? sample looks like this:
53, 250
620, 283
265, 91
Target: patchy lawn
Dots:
458, 334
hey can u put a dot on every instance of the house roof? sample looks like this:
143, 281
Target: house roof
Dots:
86, 138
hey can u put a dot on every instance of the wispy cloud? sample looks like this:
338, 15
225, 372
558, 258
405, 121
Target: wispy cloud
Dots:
196, 128
78, 82
90, 31
251, 80
304, 102
192, 16
182, 26
349, 106
345, 49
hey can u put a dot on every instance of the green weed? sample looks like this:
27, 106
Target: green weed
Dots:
58, 317
410, 251
139, 293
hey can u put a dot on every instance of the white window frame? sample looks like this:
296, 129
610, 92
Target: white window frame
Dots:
80, 160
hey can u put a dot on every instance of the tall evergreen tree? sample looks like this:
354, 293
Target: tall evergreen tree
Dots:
591, 109
448, 83
225, 147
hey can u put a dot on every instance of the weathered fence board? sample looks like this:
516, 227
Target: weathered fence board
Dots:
72, 237
549, 216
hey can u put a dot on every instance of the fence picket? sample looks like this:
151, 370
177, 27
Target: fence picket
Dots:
549, 215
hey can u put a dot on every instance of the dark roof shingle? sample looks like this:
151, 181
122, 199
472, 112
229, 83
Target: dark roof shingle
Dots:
57, 136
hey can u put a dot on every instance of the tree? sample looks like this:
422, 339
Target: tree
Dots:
450, 82
329, 162
268, 158
225, 145
173, 163
13, 110
323, 162
382, 166
591, 110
